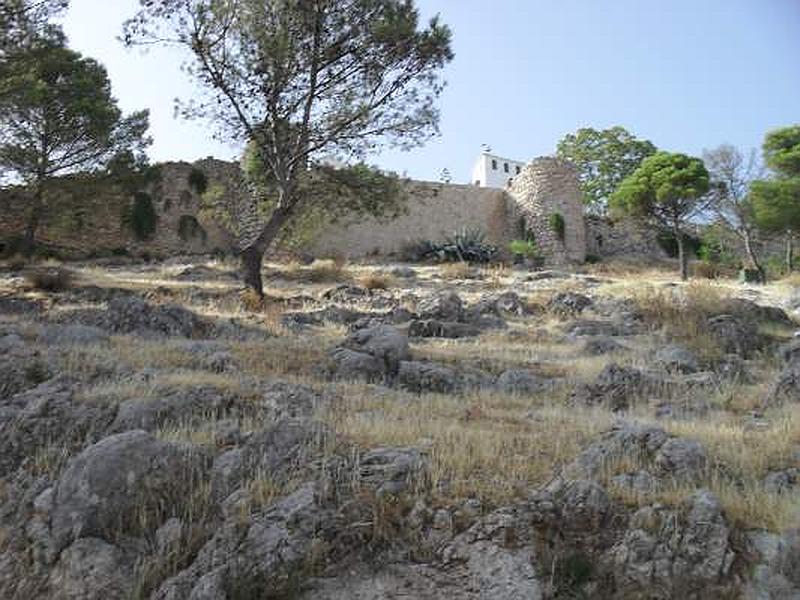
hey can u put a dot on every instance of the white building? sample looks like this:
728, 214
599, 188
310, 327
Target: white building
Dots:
495, 171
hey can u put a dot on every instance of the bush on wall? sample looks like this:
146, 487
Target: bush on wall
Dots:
141, 216
557, 225
198, 181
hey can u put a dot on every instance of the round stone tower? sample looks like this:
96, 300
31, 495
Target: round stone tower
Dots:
547, 195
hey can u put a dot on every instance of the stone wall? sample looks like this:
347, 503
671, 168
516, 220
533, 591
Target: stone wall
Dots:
434, 211
606, 238
86, 216
549, 186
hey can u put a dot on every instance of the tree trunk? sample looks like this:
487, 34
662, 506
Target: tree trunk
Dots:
789, 252
684, 267
29, 241
253, 255
751, 255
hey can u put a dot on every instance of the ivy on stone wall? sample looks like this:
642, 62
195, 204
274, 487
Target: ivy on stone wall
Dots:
141, 216
557, 225
198, 181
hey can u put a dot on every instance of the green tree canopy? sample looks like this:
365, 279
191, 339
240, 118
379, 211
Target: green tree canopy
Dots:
24, 23
667, 190
776, 201
782, 151
304, 81
57, 116
604, 158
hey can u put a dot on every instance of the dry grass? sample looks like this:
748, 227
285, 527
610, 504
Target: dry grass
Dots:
456, 270
487, 446
375, 280
50, 278
320, 271
683, 312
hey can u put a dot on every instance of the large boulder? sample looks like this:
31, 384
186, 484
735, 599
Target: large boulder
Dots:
734, 334
787, 385
666, 555
257, 559
48, 413
615, 388
441, 307
174, 407
92, 569
439, 329
21, 366
131, 314
106, 488
384, 343
522, 382
677, 359
569, 303
423, 377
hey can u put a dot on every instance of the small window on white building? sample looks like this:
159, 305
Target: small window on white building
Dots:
494, 164
505, 167
517, 169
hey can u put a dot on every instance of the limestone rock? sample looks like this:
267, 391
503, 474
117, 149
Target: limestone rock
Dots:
105, 486
442, 307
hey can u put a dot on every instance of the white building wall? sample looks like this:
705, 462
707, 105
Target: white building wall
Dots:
494, 171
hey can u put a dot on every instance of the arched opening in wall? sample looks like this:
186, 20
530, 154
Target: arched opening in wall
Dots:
599, 239
190, 230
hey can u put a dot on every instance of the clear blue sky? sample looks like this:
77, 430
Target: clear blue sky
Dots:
686, 74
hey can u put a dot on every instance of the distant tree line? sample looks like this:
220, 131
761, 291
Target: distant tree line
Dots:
751, 197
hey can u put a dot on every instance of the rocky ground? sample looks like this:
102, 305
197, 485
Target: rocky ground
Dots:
395, 431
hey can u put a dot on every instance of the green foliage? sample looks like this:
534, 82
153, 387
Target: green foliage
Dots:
198, 181
330, 195
776, 201
527, 248
141, 216
713, 249
304, 81
189, 229
465, 245
604, 158
557, 225
53, 93
666, 188
782, 151
666, 240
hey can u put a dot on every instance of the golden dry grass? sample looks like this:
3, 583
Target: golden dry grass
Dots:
375, 280
456, 270
484, 445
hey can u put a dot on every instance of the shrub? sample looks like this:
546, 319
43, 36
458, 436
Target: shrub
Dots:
50, 279
526, 248
198, 181
141, 217
376, 281
557, 225
666, 240
465, 245
320, 271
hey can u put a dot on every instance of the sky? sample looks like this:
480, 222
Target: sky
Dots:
685, 74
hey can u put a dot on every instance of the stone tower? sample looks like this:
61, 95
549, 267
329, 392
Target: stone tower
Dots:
547, 187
